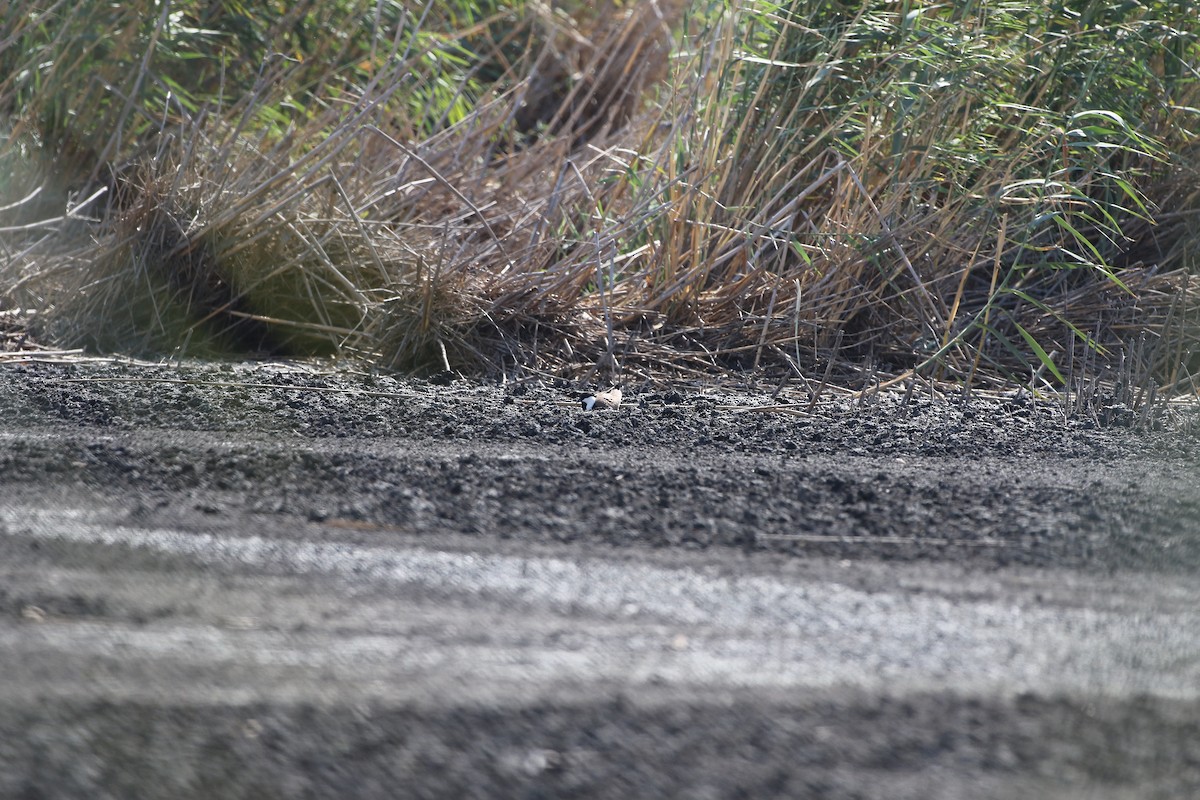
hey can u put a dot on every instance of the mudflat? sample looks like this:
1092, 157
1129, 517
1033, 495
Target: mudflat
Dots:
275, 581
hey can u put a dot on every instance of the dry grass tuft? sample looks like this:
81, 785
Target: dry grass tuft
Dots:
631, 191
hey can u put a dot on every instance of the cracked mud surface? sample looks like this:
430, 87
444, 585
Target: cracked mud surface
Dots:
240, 581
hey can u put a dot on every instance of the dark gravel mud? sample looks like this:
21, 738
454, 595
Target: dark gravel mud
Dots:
269, 581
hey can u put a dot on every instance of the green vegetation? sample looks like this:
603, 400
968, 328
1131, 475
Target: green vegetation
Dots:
975, 193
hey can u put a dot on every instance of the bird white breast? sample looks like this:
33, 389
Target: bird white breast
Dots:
608, 399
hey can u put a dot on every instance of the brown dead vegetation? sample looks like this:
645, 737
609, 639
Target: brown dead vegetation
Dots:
621, 206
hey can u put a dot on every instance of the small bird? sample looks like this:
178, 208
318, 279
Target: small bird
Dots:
607, 399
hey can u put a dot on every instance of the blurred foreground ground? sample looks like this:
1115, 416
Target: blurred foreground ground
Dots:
237, 581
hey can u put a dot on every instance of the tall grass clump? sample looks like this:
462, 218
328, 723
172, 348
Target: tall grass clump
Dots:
975, 193
945, 189
184, 176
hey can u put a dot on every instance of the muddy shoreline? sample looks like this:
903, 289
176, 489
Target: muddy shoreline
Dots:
263, 581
